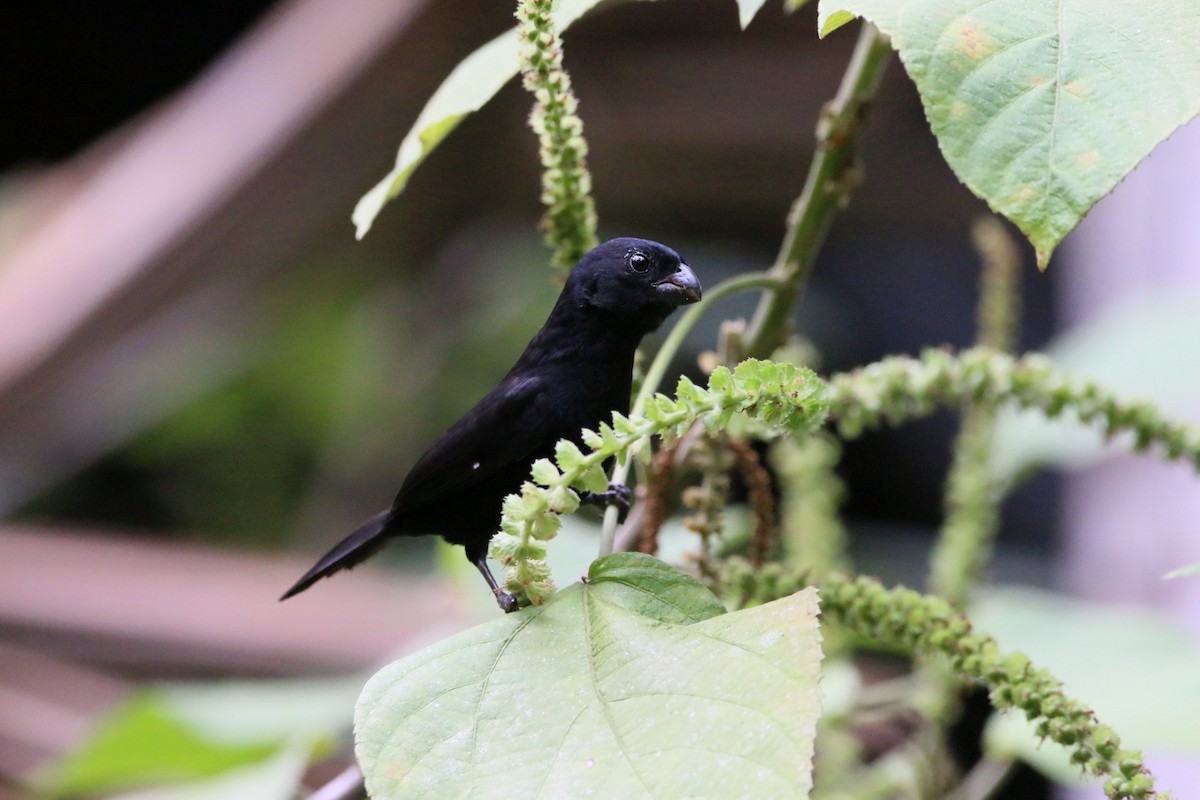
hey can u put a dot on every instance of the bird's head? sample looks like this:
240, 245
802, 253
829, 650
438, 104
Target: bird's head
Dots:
635, 278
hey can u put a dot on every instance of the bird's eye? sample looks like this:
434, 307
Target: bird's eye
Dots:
638, 262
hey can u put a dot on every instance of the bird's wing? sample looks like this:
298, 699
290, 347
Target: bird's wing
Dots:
508, 428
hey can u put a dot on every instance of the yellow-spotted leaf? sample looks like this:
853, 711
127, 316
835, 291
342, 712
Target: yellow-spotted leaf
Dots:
1042, 106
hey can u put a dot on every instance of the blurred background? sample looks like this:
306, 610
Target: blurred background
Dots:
205, 381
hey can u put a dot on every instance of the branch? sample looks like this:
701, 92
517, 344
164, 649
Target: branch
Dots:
832, 177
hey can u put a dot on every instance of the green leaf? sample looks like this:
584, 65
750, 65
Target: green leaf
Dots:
747, 9
653, 588
1183, 572
604, 691
1138, 672
567, 454
592, 439
144, 742
472, 83
187, 732
275, 778
544, 472
593, 480
1042, 106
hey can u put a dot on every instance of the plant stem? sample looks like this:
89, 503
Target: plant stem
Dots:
813, 536
831, 178
967, 538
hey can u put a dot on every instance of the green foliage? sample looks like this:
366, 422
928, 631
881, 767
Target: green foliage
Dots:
1041, 108
930, 626
814, 538
1132, 348
782, 397
644, 667
143, 743
187, 735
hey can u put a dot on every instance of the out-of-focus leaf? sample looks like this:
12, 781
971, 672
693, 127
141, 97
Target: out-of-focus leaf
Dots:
184, 733
747, 10
473, 82
1138, 672
1042, 106
143, 742
632, 684
1139, 350
1183, 572
250, 712
274, 778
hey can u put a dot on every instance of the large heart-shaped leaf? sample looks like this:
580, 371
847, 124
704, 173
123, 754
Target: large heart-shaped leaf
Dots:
1042, 106
631, 684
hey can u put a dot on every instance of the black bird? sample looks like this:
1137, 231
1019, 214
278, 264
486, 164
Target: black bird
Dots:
575, 372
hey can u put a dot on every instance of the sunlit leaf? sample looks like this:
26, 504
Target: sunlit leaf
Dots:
633, 684
1042, 106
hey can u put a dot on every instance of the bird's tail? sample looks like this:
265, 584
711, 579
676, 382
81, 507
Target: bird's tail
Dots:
352, 550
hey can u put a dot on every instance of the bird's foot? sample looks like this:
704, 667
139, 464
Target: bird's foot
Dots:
508, 603
618, 495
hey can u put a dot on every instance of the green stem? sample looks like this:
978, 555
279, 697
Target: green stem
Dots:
972, 518
658, 368
814, 539
831, 179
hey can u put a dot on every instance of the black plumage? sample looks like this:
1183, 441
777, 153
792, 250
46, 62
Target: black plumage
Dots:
575, 372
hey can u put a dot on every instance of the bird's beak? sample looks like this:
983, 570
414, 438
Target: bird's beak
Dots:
681, 287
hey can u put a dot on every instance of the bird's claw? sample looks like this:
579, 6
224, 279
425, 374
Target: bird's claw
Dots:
618, 495
507, 602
